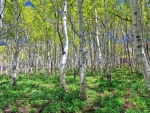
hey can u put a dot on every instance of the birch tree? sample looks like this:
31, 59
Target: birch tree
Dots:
98, 42
1, 13
106, 39
139, 47
16, 48
75, 60
1, 25
91, 55
82, 52
65, 48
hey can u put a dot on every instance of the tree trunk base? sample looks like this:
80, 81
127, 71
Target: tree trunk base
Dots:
109, 77
13, 81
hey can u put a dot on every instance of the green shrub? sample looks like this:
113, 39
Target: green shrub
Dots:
54, 107
32, 110
14, 108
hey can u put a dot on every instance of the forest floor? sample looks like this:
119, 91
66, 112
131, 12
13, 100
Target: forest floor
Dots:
127, 93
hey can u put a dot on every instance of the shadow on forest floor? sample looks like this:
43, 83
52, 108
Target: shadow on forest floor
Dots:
126, 93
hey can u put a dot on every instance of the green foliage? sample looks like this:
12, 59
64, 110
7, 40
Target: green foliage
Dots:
54, 107
14, 108
32, 110
44, 93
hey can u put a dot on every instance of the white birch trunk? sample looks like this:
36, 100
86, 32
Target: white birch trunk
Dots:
16, 51
98, 42
48, 57
95, 56
9, 61
21, 62
139, 47
35, 61
107, 45
74, 58
82, 52
55, 59
114, 51
1, 25
29, 58
1, 14
43, 58
2, 65
25, 68
91, 56
65, 51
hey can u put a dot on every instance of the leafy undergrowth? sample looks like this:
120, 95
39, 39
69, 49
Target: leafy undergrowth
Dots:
125, 94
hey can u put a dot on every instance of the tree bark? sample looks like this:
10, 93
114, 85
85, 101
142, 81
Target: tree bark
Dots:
107, 45
75, 60
2, 65
91, 56
54, 60
1, 14
48, 57
98, 42
35, 59
16, 51
65, 49
139, 47
82, 52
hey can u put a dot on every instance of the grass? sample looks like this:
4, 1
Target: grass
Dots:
125, 94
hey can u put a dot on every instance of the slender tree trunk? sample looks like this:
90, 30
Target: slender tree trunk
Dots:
113, 52
95, 56
98, 42
74, 47
48, 57
128, 51
55, 60
43, 58
22, 62
9, 61
29, 59
82, 52
65, 49
1, 25
107, 45
2, 65
1, 14
25, 66
35, 60
16, 51
91, 56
